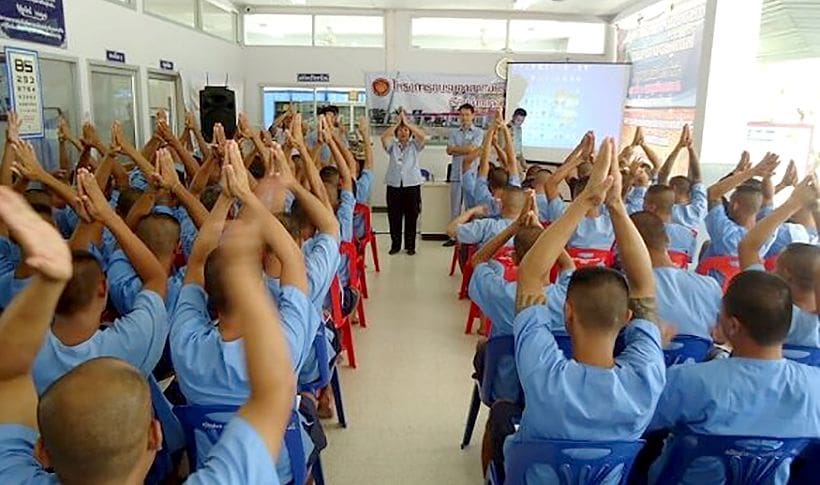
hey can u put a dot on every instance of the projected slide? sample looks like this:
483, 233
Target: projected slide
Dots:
563, 101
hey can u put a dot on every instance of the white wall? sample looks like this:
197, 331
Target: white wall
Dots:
93, 26
277, 66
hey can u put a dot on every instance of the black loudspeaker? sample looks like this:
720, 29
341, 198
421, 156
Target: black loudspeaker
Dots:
217, 104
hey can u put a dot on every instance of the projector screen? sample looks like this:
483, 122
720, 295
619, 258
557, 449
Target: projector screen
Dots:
565, 100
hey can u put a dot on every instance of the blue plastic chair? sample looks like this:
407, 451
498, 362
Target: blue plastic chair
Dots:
426, 174
326, 376
574, 462
802, 354
204, 424
746, 460
484, 390
686, 349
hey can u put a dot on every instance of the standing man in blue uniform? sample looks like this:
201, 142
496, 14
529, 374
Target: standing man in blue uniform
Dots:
465, 143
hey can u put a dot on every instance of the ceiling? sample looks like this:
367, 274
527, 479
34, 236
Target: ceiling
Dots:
578, 7
789, 29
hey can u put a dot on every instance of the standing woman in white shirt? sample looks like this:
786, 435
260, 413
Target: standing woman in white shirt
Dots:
403, 142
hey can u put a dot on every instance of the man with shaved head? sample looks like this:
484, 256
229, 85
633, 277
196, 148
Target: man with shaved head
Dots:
95, 422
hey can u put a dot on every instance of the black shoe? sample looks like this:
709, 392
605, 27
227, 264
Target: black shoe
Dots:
411, 252
450, 243
394, 251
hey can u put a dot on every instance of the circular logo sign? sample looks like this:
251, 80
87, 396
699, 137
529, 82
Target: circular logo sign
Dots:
381, 86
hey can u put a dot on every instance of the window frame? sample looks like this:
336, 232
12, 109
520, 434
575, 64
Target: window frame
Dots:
313, 17
233, 12
197, 20
299, 14
116, 68
129, 4
503, 50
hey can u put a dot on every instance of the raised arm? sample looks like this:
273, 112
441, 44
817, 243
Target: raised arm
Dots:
25, 321
149, 269
722, 187
486, 146
188, 160
275, 235
510, 159
534, 269
464, 218
297, 138
12, 137
650, 153
207, 240
344, 159
789, 178
270, 372
804, 195
527, 217
683, 142
388, 136
28, 166
364, 132
165, 176
634, 256
131, 152
418, 132
190, 123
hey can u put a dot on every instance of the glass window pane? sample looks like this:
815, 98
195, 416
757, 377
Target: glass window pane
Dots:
278, 29
459, 33
349, 31
276, 100
180, 11
555, 36
218, 21
162, 95
58, 80
113, 99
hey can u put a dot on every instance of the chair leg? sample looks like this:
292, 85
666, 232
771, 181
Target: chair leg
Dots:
337, 397
347, 343
363, 275
472, 314
360, 312
472, 414
317, 473
454, 261
374, 248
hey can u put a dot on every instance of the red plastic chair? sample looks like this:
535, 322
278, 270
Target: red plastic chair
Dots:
341, 323
454, 260
369, 234
504, 256
771, 264
355, 276
680, 259
727, 267
587, 258
473, 314
467, 269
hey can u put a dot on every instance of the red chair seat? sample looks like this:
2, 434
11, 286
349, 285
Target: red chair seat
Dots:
586, 258
727, 267
681, 260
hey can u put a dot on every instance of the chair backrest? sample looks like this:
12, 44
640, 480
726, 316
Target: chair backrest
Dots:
771, 263
574, 462
680, 259
746, 460
585, 258
721, 268
363, 210
500, 352
802, 354
347, 248
686, 349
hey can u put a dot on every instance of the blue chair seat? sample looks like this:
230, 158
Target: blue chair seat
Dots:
574, 462
685, 349
802, 354
746, 460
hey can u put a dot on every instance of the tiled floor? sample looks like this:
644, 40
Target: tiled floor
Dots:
407, 401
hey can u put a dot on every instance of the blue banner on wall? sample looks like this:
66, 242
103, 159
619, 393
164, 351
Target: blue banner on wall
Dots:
40, 21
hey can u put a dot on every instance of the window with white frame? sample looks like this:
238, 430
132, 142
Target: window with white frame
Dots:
218, 19
349, 31
278, 29
459, 33
179, 11
557, 36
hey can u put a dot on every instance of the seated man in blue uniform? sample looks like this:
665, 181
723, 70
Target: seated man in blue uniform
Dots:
112, 436
593, 396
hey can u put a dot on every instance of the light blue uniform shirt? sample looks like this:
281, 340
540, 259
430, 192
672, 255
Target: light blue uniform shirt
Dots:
789, 233
10, 255
682, 240
483, 196
469, 179
344, 213
364, 186
212, 371
495, 296
137, 180
10, 287
324, 155
692, 214
805, 327
543, 205
634, 199
403, 168
591, 233
480, 231
137, 338
726, 234
462, 137
240, 456
689, 301
124, 284
738, 396
573, 401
